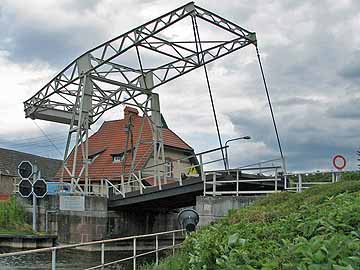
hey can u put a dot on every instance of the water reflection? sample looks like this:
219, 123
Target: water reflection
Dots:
65, 259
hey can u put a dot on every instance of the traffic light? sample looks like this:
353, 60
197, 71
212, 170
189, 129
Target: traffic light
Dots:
25, 188
25, 169
40, 188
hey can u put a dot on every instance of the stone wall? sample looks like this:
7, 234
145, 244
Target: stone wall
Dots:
96, 223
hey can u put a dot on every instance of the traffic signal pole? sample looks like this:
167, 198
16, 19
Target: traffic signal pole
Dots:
34, 201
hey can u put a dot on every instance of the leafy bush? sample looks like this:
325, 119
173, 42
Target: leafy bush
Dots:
12, 217
314, 230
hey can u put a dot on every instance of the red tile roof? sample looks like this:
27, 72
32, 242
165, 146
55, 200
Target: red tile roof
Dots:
110, 139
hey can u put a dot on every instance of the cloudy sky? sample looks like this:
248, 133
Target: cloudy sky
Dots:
310, 52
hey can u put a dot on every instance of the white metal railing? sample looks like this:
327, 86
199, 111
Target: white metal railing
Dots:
297, 182
136, 182
102, 243
265, 166
214, 183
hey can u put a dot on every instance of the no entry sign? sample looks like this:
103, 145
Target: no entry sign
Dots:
339, 162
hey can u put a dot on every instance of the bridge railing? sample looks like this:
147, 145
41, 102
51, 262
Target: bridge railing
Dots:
212, 186
265, 166
298, 182
176, 174
157, 249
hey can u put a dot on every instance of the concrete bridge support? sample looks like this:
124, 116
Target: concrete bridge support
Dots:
212, 208
96, 222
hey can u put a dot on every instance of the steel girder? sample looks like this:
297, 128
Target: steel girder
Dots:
115, 83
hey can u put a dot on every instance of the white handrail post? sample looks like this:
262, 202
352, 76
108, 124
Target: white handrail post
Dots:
285, 180
102, 255
173, 243
237, 182
276, 179
157, 250
53, 259
203, 176
122, 186
336, 177
140, 183
134, 254
260, 167
159, 182
179, 171
165, 172
214, 184
107, 188
300, 182
333, 177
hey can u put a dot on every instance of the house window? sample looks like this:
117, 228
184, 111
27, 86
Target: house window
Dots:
169, 168
118, 157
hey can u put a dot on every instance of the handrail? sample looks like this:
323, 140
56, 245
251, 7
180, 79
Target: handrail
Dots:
194, 155
261, 162
53, 250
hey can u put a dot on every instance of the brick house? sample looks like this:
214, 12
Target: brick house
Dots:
109, 158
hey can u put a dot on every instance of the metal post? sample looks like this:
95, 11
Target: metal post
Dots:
173, 243
34, 213
156, 249
285, 180
300, 183
203, 177
102, 255
34, 204
237, 182
140, 184
333, 177
179, 171
214, 184
159, 182
53, 259
134, 254
122, 185
276, 179
165, 172
226, 159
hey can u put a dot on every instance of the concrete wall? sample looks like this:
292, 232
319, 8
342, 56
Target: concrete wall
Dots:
212, 208
96, 223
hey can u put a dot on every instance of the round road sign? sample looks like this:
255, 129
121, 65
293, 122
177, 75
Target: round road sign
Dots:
25, 188
25, 169
40, 188
339, 162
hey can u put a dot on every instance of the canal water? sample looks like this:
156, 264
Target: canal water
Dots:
65, 259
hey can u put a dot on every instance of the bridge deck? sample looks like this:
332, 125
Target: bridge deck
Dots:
175, 196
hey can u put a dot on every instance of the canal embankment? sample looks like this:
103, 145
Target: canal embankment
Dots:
16, 232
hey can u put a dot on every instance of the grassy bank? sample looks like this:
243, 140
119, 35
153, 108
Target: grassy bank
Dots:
314, 230
12, 218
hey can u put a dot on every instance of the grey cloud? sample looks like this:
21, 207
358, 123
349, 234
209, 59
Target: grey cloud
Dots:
351, 69
346, 110
296, 101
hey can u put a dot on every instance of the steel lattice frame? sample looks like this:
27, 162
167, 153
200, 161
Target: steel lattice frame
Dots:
98, 81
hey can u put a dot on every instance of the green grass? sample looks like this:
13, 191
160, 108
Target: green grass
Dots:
12, 218
314, 230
